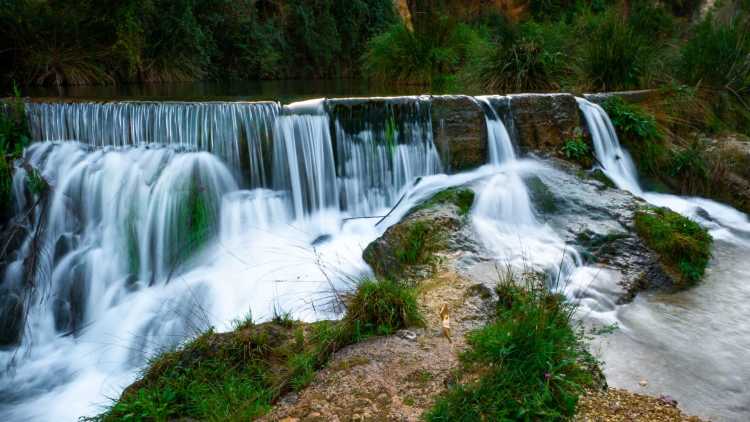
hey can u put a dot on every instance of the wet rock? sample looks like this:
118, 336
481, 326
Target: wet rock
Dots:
11, 318
543, 122
459, 132
70, 301
629, 96
407, 335
409, 250
599, 224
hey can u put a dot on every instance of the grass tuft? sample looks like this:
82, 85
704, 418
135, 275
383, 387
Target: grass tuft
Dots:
683, 245
381, 307
528, 364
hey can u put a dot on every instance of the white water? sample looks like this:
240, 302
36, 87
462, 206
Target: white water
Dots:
692, 345
279, 245
119, 277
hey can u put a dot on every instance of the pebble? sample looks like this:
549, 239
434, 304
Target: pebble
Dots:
643, 383
407, 335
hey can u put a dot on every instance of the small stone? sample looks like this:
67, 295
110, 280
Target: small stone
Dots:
313, 415
407, 335
643, 383
290, 419
667, 400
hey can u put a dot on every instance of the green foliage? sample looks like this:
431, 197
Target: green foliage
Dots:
528, 362
14, 137
420, 57
689, 165
84, 42
577, 149
381, 307
37, 184
639, 132
196, 220
718, 55
511, 67
463, 198
614, 54
683, 245
240, 374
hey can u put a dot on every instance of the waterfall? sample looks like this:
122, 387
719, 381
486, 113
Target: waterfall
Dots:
614, 160
239, 133
382, 152
724, 222
498, 140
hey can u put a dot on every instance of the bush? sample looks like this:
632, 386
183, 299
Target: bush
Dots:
718, 55
683, 246
614, 56
639, 132
689, 166
420, 57
527, 365
381, 307
14, 137
578, 150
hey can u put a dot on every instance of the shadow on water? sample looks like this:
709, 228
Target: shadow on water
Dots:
285, 91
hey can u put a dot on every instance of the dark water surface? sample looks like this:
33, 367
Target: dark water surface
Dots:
285, 91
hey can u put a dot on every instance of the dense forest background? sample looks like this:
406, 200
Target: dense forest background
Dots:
491, 45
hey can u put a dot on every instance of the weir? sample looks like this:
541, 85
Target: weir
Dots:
164, 219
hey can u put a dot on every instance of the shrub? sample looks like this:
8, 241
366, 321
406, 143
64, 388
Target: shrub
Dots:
718, 55
638, 130
614, 56
420, 57
527, 364
381, 307
690, 167
683, 245
14, 137
578, 150
514, 67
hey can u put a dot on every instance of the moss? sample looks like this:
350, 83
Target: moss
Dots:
683, 246
541, 196
598, 174
461, 197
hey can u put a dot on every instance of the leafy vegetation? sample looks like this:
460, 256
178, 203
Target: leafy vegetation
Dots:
638, 130
527, 364
83, 42
578, 150
239, 375
14, 137
413, 248
683, 245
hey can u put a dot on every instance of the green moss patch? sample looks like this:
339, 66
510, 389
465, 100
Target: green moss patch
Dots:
683, 246
528, 364
461, 197
541, 196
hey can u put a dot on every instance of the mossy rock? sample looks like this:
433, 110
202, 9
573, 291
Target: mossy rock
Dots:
541, 196
683, 246
461, 197
598, 175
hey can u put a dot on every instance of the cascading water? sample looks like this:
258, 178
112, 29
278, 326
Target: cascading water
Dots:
659, 332
146, 239
239, 133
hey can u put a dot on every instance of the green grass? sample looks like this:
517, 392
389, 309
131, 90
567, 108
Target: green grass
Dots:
463, 198
240, 374
414, 246
683, 245
528, 364
381, 307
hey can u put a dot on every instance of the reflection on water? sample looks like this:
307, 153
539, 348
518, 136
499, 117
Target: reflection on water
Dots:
691, 345
285, 91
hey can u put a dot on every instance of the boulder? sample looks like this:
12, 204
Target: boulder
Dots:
11, 318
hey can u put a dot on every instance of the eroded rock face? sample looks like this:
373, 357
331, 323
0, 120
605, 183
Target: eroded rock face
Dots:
599, 222
543, 122
459, 132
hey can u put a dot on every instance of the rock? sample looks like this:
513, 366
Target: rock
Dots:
543, 122
407, 335
668, 400
459, 131
643, 383
11, 318
629, 96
